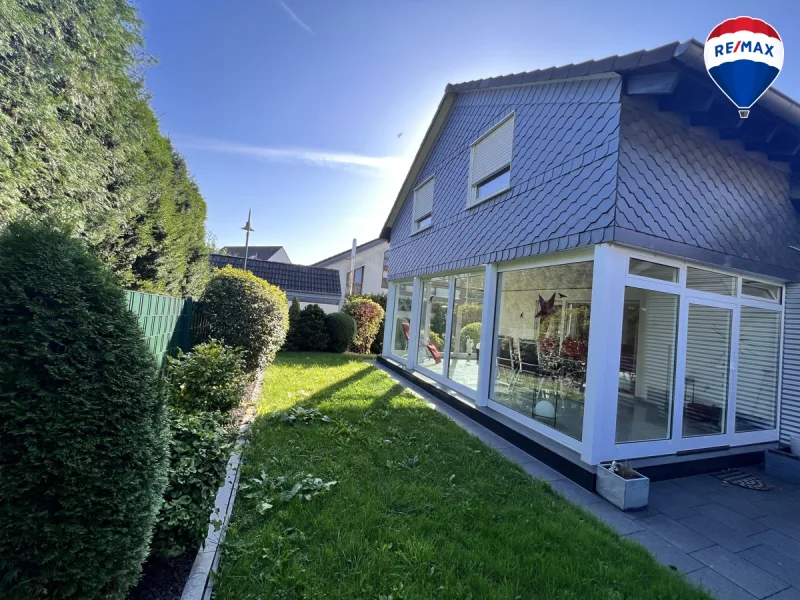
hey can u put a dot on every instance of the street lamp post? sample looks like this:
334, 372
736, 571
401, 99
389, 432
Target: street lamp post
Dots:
248, 229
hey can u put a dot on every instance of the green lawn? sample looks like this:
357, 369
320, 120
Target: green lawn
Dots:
421, 509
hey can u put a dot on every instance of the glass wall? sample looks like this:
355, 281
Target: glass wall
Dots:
647, 366
757, 371
542, 343
465, 332
401, 328
433, 324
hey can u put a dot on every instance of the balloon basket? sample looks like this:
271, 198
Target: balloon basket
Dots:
744, 113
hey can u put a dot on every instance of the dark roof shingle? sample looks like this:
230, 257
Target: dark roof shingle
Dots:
259, 252
290, 278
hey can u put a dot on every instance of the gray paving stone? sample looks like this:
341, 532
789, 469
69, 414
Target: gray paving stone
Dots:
663, 487
678, 535
774, 563
787, 594
732, 519
744, 508
541, 471
516, 455
719, 533
740, 571
778, 506
782, 524
691, 499
780, 543
575, 493
648, 511
666, 553
697, 484
615, 518
669, 505
718, 586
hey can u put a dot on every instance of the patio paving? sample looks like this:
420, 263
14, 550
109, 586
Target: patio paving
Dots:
736, 543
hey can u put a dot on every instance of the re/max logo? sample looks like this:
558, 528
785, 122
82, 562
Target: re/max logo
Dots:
741, 46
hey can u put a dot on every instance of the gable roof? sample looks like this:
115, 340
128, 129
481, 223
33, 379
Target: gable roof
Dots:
678, 57
259, 252
346, 254
295, 280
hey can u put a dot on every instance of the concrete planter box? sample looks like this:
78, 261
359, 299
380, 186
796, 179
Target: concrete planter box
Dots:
782, 464
625, 494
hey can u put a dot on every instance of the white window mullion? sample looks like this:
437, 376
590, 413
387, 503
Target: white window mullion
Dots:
488, 325
448, 326
733, 373
416, 314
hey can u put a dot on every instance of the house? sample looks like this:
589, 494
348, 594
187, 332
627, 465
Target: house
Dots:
602, 260
270, 253
310, 285
371, 267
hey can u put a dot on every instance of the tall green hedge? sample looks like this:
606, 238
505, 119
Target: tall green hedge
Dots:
245, 311
82, 424
79, 142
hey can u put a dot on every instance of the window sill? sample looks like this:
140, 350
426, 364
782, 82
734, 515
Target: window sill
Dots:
489, 197
421, 229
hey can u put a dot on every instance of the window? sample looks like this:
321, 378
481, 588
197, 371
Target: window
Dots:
465, 331
647, 366
490, 162
710, 281
757, 373
401, 331
423, 204
433, 324
763, 291
644, 268
385, 277
542, 344
357, 283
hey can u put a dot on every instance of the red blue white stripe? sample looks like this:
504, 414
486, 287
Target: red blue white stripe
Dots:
744, 56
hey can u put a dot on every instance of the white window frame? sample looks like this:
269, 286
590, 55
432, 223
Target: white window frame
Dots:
415, 221
604, 446
472, 190
388, 332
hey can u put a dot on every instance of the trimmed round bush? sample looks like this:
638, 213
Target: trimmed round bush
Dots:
368, 316
199, 450
311, 332
82, 424
209, 378
245, 311
341, 330
473, 330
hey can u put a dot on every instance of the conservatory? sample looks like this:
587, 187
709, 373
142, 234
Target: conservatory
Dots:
609, 351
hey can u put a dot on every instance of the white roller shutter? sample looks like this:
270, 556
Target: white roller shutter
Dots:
423, 200
493, 151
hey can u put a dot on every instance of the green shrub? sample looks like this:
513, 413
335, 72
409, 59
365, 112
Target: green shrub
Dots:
246, 312
292, 342
341, 329
436, 339
368, 316
469, 313
311, 332
199, 449
209, 378
82, 424
473, 330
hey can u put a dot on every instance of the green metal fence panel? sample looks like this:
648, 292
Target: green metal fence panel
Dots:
168, 323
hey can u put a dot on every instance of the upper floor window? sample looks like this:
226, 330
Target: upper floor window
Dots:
358, 282
385, 278
423, 204
490, 162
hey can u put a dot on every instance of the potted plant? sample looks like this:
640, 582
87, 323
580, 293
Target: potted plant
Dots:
621, 485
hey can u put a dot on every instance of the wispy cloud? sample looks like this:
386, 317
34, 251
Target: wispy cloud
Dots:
324, 158
293, 16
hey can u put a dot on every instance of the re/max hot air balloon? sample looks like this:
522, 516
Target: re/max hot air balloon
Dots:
743, 56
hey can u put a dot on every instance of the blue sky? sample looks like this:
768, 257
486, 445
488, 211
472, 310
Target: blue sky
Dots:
295, 108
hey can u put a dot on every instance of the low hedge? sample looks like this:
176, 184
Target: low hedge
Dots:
341, 329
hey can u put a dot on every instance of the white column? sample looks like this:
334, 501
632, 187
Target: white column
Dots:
487, 335
416, 311
449, 325
605, 339
388, 326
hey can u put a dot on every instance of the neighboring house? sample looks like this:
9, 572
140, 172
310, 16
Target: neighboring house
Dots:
270, 253
600, 256
371, 267
310, 285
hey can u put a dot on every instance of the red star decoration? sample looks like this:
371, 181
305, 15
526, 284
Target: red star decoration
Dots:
546, 307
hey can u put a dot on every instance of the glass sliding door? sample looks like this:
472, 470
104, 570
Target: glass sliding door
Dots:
401, 326
542, 343
708, 359
433, 324
757, 369
465, 331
